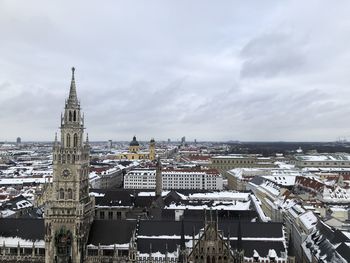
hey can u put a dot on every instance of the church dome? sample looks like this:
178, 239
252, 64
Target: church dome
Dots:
134, 142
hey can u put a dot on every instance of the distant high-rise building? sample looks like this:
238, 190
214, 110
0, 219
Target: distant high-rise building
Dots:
183, 140
169, 140
18, 140
110, 144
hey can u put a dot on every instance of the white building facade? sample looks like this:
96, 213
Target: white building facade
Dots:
174, 179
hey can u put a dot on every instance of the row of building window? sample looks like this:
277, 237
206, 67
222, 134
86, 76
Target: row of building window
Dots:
233, 161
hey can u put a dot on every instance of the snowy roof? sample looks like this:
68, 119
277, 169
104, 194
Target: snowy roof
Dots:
284, 180
308, 219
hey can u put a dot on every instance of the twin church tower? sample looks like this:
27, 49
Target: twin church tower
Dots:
69, 208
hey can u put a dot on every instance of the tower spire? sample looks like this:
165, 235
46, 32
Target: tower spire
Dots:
72, 99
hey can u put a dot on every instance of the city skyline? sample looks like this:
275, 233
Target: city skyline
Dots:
164, 70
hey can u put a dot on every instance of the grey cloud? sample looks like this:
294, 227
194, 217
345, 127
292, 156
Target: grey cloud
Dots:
271, 55
167, 69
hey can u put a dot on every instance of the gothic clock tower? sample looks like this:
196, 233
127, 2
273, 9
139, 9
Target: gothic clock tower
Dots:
69, 209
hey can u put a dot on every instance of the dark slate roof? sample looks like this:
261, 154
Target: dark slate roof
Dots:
115, 198
324, 239
144, 201
344, 251
249, 229
108, 232
196, 214
172, 197
12, 204
25, 228
157, 228
252, 229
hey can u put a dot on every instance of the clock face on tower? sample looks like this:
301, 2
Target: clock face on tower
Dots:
66, 173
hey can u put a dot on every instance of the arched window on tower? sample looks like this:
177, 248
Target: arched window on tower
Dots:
75, 140
70, 116
70, 194
74, 116
61, 193
68, 140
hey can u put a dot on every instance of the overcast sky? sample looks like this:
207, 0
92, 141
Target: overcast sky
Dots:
210, 70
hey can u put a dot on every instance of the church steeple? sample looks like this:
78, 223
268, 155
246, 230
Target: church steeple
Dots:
73, 99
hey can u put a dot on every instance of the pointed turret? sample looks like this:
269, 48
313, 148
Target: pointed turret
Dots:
73, 99
182, 256
239, 236
239, 252
182, 242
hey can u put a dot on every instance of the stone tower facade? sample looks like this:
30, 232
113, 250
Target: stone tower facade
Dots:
159, 180
69, 209
152, 150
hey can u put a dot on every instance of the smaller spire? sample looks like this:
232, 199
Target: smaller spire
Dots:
87, 138
239, 235
182, 255
182, 242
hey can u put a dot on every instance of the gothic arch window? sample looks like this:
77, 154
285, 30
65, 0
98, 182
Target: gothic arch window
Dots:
68, 158
61, 193
208, 259
70, 194
70, 116
75, 140
68, 140
75, 116
213, 260
59, 157
73, 158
